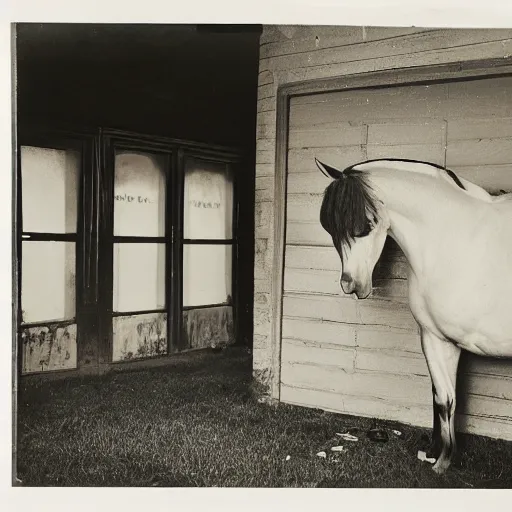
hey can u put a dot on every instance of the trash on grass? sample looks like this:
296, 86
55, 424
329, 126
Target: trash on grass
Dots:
423, 457
377, 435
348, 437
397, 432
288, 457
321, 454
337, 449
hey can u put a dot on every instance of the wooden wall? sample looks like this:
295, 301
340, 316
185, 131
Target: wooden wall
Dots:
332, 344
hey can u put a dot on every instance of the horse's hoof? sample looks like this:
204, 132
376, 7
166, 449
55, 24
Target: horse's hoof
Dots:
441, 466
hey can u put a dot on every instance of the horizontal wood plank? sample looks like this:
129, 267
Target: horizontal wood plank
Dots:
387, 133
414, 414
474, 129
303, 160
334, 309
391, 361
410, 389
434, 153
389, 339
303, 352
307, 233
479, 152
480, 51
408, 44
314, 37
318, 331
327, 282
330, 135
348, 310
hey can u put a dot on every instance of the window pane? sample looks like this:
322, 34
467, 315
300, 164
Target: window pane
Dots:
139, 194
48, 348
49, 189
48, 281
139, 336
208, 200
139, 277
206, 274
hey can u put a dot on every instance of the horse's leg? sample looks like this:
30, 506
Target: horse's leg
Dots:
442, 359
435, 446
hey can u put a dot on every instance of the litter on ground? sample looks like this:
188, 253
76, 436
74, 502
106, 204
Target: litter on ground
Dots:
348, 437
288, 457
377, 435
322, 454
397, 432
423, 457
337, 449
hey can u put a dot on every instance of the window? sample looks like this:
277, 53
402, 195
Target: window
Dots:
49, 197
207, 233
139, 274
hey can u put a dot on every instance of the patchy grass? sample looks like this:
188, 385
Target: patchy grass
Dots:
195, 423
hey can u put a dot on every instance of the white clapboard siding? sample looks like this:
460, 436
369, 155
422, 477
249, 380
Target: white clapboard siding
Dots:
391, 361
303, 160
416, 414
325, 135
381, 337
413, 389
409, 44
465, 124
303, 352
318, 331
424, 123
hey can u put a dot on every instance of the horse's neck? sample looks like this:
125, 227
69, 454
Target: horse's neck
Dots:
420, 207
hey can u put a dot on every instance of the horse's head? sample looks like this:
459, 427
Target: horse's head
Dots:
358, 224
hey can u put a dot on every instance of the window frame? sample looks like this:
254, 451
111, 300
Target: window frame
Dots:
233, 241
85, 274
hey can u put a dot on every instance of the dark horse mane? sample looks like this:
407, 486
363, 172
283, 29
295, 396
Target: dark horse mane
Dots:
348, 207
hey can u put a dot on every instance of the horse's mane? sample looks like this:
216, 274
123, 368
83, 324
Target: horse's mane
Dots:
348, 207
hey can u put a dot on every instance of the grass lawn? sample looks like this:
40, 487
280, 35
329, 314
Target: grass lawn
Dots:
195, 423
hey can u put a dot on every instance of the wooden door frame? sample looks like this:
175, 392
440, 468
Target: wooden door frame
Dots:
422, 75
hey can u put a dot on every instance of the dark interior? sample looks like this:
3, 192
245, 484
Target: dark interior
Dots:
190, 82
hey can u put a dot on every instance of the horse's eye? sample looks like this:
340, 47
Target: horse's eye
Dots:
365, 232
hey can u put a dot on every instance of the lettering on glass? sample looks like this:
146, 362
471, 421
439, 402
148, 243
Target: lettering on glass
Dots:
204, 204
133, 199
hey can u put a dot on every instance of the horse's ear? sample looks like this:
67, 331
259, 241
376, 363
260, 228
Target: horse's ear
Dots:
328, 171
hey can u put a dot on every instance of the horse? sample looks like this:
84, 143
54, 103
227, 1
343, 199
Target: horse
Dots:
457, 239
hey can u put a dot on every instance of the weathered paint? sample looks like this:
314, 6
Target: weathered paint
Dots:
47, 348
208, 327
139, 336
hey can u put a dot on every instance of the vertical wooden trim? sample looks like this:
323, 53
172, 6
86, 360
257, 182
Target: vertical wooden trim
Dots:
106, 217
169, 226
281, 158
89, 222
177, 250
235, 294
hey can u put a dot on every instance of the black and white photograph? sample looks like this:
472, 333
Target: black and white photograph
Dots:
261, 255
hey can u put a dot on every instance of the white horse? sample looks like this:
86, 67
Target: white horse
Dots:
457, 239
